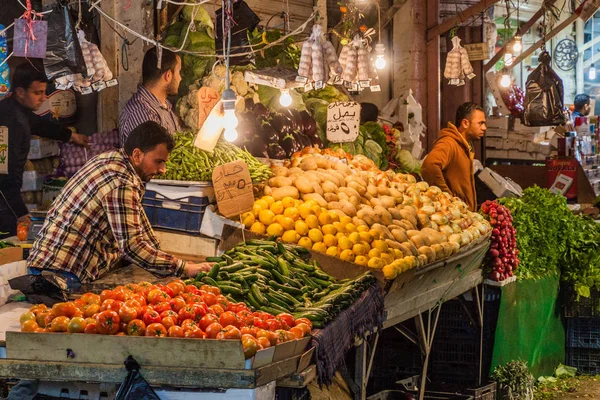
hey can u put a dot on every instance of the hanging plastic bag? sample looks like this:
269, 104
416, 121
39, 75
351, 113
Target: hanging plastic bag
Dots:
245, 21
135, 387
30, 34
63, 53
4, 71
544, 96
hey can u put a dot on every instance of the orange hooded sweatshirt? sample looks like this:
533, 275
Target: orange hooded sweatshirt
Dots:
449, 166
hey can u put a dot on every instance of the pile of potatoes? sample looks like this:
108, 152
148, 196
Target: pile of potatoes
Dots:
418, 223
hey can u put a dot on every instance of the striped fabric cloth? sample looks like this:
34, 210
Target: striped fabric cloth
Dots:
144, 106
98, 219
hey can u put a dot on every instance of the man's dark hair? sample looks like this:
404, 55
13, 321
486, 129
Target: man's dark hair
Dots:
25, 74
465, 110
368, 112
581, 100
150, 72
146, 136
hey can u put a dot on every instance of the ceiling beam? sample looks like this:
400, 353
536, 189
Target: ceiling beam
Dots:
461, 17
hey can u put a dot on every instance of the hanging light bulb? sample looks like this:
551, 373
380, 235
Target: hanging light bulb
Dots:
506, 80
380, 62
230, 121
508, 58
285, 99
517, 46
592, 73
230, 134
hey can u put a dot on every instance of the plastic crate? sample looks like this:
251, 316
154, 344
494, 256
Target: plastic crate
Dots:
401, 395
580, 307
587, 361
183, 214
583, 333
487, 392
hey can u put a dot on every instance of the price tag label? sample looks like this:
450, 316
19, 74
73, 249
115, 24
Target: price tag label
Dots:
343, 121
233, 188
376, 88
308, 87
301, 79
337, 80
348, 85
86, 90
112, 82
365, 84
3, 150
319, 85
98, 86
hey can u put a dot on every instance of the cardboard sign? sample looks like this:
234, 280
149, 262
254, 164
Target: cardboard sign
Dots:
233, 188
3, 150
208, 135
562, 176
207, 98
343, 121
477, 51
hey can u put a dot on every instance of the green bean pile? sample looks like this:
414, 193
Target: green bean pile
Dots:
189, 163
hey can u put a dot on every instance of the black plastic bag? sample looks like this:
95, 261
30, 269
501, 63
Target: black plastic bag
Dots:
245, 20
47, 288
544, 97
63, 52
135, 387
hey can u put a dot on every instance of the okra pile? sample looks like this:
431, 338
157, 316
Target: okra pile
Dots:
278, 277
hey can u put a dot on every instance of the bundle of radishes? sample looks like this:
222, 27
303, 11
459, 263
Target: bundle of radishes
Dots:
502, 257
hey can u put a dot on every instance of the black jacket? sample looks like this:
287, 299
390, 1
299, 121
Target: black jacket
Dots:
22, 123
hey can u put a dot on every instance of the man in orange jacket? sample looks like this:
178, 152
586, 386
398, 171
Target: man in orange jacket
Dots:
449, 165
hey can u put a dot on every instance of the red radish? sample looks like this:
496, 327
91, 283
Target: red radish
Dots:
502, 255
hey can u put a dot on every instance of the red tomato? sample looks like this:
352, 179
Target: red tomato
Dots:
177, 287
222, 300
200, 311
206, 320
274, 324
230, 332
246, 317
284, 336
304, 321
177, 304
31, 326
175, 331
190, 288
77, 325
127, 314
195, 334
297, 332
151, 317
264, 342
216, 309
303, 327
156, 296
213, 330
168, 322
211, 289
156, 330
189, 324
60, 324
187, 312
91, 310
107, 322
210, 299
250, 346
26, 317
144, 310
90, 328
228, 318
270, 336
111, 304
139, 298
137, 327
287, 318
167, 290
106, 294
162, 306
64, 309
193, 298
247, 330
169, 313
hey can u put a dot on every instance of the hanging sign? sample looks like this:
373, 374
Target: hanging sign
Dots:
477, 51
207, 98
233, 188
3, 150
343, 121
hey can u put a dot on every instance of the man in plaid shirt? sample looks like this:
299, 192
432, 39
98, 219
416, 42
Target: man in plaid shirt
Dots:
98, 218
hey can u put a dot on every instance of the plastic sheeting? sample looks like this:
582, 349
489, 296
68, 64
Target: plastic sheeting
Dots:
63, 52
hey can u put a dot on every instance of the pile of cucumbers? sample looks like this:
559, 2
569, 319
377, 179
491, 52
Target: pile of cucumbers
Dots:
278, 277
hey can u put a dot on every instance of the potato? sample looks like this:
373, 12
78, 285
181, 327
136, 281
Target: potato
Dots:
427, 251
285, 191
374, 201
349, 191
392, 244
422, 260
279, 171
400, 235
439, 251
354, 201
364, 214
387, 201
322, 162
295, 171
343, 195
303, 185
340, 213
358, 187
329, 187
383, 230
312, 176
309, 163
372, 190
357, 221
412, 232
330, 197
423, 186
357, 179
316, 197
407, 225
434, 236
280, 181
448, 249
339, 178
395, 213
317, 188
420, 240
342, 168
408, 248
383, 214
348, 208
267, 190
424, 221
383, 191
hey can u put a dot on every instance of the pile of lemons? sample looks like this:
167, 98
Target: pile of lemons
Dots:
316, 228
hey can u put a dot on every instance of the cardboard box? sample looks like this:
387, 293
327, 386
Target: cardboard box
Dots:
32, 181
544, 149
519, 127
494, 143
497, 133
500, 186
561, 174
10, 254
496, 153
188, 247
515, 144
500, 123
42, 148
520, 155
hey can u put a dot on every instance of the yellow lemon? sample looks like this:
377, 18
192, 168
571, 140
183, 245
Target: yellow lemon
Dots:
301, 227
390, 271
376, 235
354, 237
375, 262
345, 220
287, 223
334, 216
380, 244
332, 251
324, 218
305, 210
248, 219
339, 227
275, 230
320, 247
362, 228
374, 253
311, 203
350, 228
292, 212
268, 199
258, 206
277, 208
266, 217
329, 229
315, 235
344, 243
316, 209
288, 202
367, 245
312, 221
330, 240
338, 235
347, 255
305, 242
359, 249
290, 236
398, 254
278, 218
258, 227
361, 260
365, 237
387, 259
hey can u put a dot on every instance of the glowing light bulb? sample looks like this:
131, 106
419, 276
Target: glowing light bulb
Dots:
505, 81
592, 73
517, 45
508, 58
230, 121
285, 99
380, 62
230, 134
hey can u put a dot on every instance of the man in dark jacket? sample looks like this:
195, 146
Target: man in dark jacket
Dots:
17, 114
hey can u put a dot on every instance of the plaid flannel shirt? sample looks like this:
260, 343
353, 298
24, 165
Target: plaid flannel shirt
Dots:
97, 219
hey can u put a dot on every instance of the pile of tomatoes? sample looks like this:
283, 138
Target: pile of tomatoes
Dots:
171, 310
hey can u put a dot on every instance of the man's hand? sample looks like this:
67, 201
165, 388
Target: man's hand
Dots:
192, 269
79, 139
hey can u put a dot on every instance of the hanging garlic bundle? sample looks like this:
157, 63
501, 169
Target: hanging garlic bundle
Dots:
357, 64
318, 59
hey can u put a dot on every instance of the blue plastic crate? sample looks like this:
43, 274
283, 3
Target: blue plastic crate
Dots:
583, 333
183, 214
587, 361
